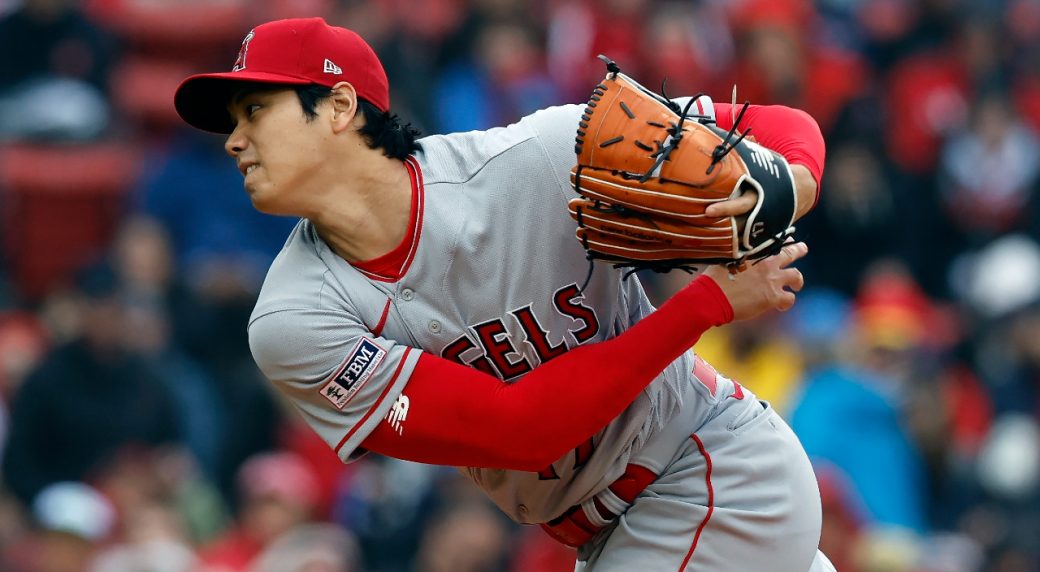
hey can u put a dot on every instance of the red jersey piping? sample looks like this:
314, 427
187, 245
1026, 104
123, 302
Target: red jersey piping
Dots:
711, 502
411, 237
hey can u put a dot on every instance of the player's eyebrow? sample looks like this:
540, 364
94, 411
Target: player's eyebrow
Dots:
243, 93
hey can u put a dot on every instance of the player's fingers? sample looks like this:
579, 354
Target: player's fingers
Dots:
795, 280
733, 207
792, 251
785, 301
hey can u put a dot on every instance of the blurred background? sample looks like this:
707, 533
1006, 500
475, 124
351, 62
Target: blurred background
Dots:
136, 433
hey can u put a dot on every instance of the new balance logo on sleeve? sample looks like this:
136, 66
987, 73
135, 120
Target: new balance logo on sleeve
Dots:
398, 414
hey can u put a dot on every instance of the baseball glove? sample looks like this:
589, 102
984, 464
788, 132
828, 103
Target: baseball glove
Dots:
647, 170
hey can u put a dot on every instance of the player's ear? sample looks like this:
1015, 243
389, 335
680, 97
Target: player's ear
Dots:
344, 106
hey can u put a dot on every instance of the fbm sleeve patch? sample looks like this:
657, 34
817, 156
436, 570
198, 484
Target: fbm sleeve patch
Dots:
353, 373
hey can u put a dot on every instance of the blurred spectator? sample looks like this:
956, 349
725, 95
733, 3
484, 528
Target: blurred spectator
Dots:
856, 224
23, 342
310, 548
153, 541
71, 520
688, 46
153, 484
87, 400
277, 492
1000, 280
927, 99
332, 474
777, 66
877, 453
195, 398
22, 345
412, 39
498, 82
579, 30
161, 313
989, 173
56, 87
468, 537
387, 503
1009, 462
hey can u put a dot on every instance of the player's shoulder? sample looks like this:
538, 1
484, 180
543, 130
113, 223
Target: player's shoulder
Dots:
456, 157
298, 279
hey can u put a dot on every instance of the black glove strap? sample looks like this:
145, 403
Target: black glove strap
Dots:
777, 198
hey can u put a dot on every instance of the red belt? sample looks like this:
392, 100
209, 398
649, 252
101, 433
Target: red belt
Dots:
574, 528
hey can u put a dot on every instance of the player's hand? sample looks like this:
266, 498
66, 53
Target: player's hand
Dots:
768, 284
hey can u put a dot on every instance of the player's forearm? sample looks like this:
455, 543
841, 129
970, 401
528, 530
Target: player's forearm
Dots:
806, 187
460, 416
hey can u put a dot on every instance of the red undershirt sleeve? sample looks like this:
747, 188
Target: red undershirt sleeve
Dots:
460, 416
790, 132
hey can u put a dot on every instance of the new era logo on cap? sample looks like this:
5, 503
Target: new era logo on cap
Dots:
332, 68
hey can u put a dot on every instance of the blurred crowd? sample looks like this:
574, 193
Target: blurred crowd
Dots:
136, 433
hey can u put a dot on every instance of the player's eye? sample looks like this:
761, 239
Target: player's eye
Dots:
251, 109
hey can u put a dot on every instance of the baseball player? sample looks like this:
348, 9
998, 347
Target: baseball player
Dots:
429, 306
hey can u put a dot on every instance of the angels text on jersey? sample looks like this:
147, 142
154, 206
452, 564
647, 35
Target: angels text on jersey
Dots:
495, 344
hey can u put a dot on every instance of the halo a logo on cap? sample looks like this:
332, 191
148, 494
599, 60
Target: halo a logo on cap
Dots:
240, 63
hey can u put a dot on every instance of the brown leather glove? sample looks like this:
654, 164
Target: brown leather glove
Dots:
646, 171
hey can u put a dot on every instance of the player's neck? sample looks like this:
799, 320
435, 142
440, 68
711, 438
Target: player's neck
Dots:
366, 214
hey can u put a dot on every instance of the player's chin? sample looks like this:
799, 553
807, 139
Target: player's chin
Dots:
260, 200
263, 202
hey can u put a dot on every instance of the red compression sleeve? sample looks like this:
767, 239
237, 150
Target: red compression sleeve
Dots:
460, 416
790, 132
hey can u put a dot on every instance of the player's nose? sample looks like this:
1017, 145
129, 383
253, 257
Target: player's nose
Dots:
235, 143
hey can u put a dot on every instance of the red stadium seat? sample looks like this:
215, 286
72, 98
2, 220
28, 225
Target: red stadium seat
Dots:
61, 205
143, 88
185, 30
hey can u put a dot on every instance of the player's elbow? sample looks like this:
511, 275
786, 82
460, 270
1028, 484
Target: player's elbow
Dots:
812, 130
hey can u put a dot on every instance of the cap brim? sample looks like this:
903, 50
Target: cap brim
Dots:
202, 100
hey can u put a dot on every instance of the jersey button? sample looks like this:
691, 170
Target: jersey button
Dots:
434, 327
407, 294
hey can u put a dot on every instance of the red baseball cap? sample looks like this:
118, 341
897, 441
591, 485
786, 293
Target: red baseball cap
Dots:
299, 51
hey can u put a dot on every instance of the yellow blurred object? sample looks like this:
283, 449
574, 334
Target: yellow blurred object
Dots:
890, 327
771, 370
888, 550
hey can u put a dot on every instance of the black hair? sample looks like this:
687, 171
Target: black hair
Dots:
382, 129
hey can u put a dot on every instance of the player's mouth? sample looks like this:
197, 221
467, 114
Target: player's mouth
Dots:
246, 168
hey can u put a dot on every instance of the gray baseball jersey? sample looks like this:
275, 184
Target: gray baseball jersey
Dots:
493, 280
